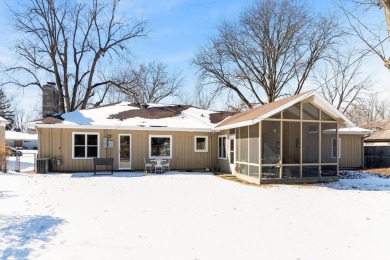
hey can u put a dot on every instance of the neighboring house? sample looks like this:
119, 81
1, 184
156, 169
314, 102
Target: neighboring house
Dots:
291, 140
21, 139
377, 145
351, 147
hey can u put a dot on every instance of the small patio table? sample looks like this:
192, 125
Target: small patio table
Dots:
158, 165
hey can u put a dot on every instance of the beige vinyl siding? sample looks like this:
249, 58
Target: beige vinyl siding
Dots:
223, 163
351, 151
58, 143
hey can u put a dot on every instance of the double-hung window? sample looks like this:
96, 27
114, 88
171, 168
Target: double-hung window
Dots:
222, 147
85, 145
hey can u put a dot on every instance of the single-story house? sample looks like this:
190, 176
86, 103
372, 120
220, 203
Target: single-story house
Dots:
28, 141
294, 139
377, 145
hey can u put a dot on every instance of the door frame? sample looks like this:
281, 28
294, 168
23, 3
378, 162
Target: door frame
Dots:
119, 152
232, 165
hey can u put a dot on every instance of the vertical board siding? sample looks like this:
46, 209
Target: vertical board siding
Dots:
58, 143
351, 151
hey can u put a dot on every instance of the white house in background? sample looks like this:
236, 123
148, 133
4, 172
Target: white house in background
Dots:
21, 139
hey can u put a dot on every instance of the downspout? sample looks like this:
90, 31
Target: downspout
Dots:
39, 142
364, 158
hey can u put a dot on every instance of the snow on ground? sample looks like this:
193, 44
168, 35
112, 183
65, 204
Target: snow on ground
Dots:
190, 216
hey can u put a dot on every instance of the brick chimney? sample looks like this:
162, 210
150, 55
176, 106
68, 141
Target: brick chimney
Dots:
49, 99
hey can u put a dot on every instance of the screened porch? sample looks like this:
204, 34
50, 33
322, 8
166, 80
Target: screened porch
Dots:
299, 143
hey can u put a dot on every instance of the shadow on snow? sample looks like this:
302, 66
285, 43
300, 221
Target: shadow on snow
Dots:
19, 234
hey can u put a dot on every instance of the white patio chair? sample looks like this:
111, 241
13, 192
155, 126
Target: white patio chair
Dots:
148, 165
166, 166
158, 167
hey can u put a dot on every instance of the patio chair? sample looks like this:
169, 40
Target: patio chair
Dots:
158, 167
166, 166
148, 165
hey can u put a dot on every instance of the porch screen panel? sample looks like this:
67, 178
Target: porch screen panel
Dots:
326, 117
291, 172
291, 142
254, 171
254, 144
328, 170
310, 142
243, 168
292, 112
328, 135
270, 141
243, 144
310, 112
310, 171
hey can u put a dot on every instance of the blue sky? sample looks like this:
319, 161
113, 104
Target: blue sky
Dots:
177, 29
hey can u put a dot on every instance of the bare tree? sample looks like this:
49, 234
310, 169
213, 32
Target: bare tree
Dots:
368, 109
149, 83
373, 36
71, 43
199, 98
342, 81
274, 46
21, 117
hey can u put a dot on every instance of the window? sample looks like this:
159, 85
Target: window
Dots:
160, 146
222, 147
201, 143
85, 145
334, 145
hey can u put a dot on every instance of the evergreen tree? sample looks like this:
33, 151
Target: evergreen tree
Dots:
6, 110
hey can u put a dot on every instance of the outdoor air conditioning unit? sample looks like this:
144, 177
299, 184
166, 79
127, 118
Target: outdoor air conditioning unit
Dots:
43, 165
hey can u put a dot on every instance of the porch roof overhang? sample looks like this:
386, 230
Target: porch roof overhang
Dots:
310, 96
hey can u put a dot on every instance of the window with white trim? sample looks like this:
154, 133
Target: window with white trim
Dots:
160, 146
85, 145
201, 143
222, 147
336, 145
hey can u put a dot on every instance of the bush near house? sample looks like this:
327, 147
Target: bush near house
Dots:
4, 153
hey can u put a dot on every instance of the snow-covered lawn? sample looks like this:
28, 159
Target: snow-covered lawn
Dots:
190, 216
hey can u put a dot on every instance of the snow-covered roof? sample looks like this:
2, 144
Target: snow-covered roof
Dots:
125, 115
355, 131
13, 135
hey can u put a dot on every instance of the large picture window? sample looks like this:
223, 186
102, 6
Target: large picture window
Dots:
222, 147
201, 143
85, 145
160, 146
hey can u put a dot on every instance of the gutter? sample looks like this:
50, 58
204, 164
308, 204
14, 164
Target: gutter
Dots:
135, 128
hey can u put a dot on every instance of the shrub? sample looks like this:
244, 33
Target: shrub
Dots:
4, 153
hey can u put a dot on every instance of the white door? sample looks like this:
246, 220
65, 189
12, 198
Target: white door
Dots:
232, 147
124, 152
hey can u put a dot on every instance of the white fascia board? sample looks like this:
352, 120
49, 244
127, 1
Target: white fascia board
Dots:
119, 127
236, 125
